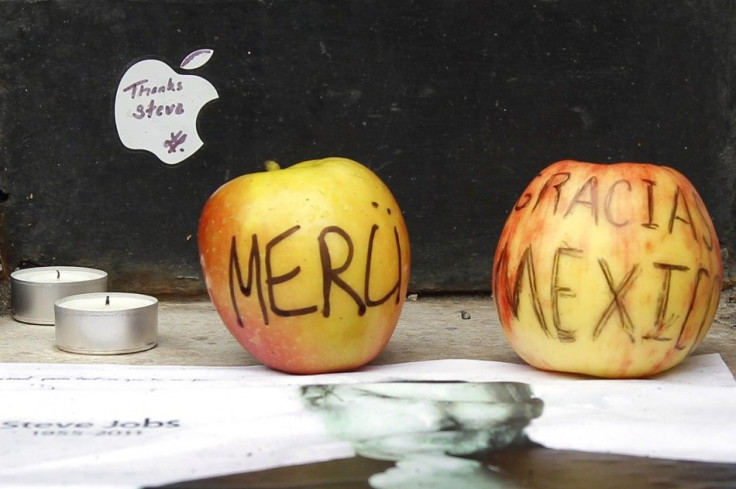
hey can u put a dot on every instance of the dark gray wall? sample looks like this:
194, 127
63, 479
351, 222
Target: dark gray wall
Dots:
455, 104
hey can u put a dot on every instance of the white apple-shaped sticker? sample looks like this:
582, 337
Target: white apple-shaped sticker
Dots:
156, 108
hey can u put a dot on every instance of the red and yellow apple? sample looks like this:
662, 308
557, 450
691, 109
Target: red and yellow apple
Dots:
308, 266
611, 270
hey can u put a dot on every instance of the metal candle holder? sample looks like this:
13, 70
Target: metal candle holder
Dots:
106, 323
33, 291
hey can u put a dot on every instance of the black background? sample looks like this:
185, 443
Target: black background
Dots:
455, 104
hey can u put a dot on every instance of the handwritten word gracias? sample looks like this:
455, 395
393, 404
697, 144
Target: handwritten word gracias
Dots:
604, 201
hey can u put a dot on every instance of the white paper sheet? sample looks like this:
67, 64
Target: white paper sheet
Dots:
122, 426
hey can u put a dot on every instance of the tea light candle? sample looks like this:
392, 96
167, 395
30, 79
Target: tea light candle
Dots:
109, 323
33, 291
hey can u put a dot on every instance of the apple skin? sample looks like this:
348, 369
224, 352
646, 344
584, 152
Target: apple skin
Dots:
610, 270
312, 306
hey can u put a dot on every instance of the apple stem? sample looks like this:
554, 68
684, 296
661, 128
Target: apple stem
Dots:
271, 165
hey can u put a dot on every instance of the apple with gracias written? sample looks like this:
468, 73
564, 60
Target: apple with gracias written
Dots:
611, 270
308, 266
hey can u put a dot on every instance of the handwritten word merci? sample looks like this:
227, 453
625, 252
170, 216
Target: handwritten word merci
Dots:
141, 88
242, 283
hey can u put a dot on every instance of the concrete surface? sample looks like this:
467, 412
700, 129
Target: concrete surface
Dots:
430, 328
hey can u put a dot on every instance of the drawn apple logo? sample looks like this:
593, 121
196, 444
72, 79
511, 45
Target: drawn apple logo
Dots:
156, 108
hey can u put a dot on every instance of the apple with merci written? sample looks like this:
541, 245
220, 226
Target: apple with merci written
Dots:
611, 270
308, 266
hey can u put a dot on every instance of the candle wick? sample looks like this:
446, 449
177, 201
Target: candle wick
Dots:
107, 300
58, 275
